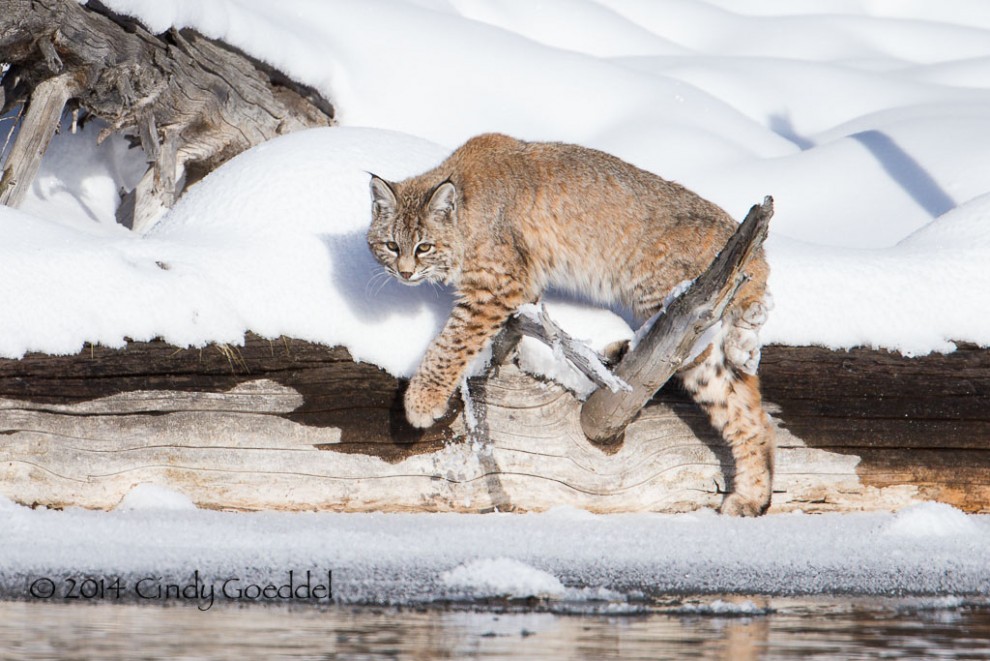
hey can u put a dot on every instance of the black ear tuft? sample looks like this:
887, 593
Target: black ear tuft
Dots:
382, 194
444, 198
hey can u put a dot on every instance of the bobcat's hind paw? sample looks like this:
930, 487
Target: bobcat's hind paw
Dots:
742, 341
737, 505
423, 405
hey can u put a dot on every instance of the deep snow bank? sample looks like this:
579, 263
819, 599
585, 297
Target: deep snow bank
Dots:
868, 122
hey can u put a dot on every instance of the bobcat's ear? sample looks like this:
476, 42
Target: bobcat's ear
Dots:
382, 196
443, 200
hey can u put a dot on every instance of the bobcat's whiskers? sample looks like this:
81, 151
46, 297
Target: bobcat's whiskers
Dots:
377, 282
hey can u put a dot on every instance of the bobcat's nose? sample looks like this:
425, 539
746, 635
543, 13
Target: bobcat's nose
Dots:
406, 274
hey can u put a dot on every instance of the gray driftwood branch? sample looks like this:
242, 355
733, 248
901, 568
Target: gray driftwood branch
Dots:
190, 102
668, 343
533, 320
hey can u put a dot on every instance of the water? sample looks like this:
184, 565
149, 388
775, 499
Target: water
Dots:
706, 628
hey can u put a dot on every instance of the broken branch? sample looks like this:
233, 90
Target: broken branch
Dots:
44, 112
533, 320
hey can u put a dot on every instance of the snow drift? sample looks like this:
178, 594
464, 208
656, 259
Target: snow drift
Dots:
866, 121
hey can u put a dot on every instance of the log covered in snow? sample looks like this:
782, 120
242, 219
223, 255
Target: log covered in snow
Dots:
190, 102
288, 425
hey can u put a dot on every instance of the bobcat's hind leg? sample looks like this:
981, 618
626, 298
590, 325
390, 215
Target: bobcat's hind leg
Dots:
724, 385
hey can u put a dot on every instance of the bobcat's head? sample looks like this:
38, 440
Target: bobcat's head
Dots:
413, 230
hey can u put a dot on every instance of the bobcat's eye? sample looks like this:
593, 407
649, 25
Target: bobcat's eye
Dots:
424, 248
392, 247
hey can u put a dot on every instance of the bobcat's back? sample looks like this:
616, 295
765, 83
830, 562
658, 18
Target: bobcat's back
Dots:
586, 220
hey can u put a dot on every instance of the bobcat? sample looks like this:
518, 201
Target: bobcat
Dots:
502, 219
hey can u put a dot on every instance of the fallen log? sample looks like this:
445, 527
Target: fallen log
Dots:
288, 425
190, 102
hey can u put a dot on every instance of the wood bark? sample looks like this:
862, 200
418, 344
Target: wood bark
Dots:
289, 425
190, 102
44, 112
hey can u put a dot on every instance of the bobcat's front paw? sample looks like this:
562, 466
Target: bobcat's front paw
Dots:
424, 405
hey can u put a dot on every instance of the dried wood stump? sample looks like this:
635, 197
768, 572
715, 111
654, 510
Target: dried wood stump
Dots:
190, 102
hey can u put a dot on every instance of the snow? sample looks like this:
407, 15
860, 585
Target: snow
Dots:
930, 520
470, 415
154, 497
866, 120
570, 558
501, 577
239, 252
720, 607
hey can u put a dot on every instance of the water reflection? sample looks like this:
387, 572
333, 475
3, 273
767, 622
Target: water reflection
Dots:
706, 629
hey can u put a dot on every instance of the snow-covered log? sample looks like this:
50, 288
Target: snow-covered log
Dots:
288, 425
191, 103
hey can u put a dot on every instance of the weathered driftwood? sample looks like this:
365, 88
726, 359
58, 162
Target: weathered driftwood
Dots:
669, 341
190, 102
533, 321
44, 112
290, 425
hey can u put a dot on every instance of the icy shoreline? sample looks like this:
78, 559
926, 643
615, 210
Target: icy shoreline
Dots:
563, 556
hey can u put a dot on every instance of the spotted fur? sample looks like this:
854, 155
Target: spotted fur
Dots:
501, 220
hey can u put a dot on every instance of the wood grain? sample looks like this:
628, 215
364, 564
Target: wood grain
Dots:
921, 421
291, 425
